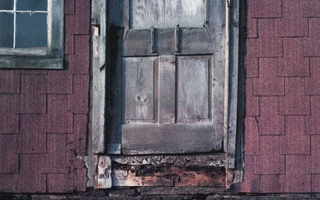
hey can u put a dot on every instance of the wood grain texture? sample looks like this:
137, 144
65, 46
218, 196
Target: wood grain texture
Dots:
194, 89
99, 78
167, 138
167, 86
167, 14
140, 88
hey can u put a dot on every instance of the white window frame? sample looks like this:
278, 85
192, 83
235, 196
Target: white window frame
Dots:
40, 58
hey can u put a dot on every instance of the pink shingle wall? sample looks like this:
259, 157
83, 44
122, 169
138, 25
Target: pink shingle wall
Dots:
282, 124
44, 117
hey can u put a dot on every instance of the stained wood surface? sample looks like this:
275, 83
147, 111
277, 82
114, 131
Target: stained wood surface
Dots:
194, 88
140, 84
190, 41
167, 14
165, 175
166, 138
167, 87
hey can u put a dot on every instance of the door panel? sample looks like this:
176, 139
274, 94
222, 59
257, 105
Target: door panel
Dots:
167, 14
140, 84
194, 89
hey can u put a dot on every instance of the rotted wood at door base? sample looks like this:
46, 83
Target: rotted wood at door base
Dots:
194, 170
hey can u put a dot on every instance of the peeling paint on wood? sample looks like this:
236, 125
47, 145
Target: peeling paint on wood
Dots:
191, 170
104, 172
165, 175
216, 160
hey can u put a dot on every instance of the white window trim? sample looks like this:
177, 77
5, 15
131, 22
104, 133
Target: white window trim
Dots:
40, 58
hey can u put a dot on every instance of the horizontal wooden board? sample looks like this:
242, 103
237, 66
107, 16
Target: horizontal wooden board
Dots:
190, 41
167, 14
126, 175
167, 138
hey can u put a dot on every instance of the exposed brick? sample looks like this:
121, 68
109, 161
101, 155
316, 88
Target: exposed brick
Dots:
292, 24
57, 82
31, 101
292, 27
57, 159
315, 154
251, 181
30, 139
271, 183
269, 121
292, 9
251, 143
70, 24
252, 102
81, 175
313, 82
293, 63
295, 102
58, 118
268, 83
311, 44
69, 7
252, 67
61, 183
9, 123
80, 94
9, 162
77, 140
311, 8
30, 180
4, 103
269, 161
6, 185
32, 72
82, 14
312, 121
80, 62
297, 175
252, 30
69, 44
266, 8
9, 81
264, 27
315, 183
295, 141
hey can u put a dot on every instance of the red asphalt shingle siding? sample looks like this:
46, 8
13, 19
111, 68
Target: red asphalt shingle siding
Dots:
44, 117
282, 153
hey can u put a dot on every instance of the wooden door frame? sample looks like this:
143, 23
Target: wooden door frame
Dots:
96, 148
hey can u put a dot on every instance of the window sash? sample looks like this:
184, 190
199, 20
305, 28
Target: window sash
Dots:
54, 28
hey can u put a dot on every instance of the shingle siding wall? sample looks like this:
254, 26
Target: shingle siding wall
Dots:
44, 117
282, 97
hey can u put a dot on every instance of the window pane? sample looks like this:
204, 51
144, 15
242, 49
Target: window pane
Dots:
6, 4
6, 32
31, 30
34, 5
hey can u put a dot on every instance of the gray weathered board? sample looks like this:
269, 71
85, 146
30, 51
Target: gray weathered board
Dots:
165, 76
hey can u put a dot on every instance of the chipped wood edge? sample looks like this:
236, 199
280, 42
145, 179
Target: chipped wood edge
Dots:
104, 179
98, 72
231, 86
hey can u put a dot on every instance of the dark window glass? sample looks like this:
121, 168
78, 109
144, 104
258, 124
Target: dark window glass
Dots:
31, 30
6, 4
6, 30
33, 5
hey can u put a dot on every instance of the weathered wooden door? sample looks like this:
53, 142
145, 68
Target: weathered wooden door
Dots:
164, 91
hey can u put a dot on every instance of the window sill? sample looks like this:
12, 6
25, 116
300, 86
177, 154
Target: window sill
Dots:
31, 63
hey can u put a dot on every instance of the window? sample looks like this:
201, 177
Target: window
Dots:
33, 34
